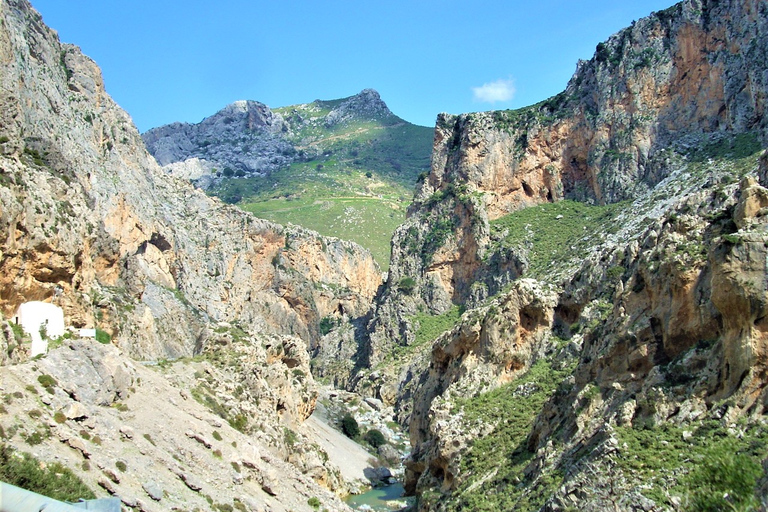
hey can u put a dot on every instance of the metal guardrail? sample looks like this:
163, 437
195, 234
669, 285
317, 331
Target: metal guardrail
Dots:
16, 499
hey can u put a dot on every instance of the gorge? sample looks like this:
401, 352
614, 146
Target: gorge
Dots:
573, 317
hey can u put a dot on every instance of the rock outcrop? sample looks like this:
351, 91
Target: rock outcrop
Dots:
138, 433
693, 69
162, 272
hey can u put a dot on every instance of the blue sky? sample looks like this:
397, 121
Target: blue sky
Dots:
172, 60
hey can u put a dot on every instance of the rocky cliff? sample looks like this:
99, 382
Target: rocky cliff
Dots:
689, 70
94, 225
92, 221
629, 369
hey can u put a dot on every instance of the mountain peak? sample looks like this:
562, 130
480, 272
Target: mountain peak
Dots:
367, 104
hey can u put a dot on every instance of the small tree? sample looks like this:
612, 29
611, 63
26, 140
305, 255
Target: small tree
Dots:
349, 426
375, 438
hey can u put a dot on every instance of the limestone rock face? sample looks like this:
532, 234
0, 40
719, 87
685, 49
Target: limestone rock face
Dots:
657, 324
93, 223
672, 338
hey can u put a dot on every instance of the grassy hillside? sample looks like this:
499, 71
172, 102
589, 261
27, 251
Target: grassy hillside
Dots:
354, 182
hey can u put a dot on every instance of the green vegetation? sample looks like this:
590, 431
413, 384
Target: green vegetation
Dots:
432, 326
429, 328
705, 464
733, 155
353, 180
553, 233
48, 383
499, 458
327, 324
35, 155
375, 438
349, 426
53, 480
290, 437
407, 285
519, 120
314, 502
103, 337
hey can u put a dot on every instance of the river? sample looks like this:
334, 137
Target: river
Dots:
382, 499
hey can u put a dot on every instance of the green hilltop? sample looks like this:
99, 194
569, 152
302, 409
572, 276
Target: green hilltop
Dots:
352, 177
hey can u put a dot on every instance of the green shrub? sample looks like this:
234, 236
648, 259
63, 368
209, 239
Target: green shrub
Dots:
59, 417
216, 435
46, 381
375, 438
35, 438
725, 480
407, 285
239, 422
327, 324
18, 332
103, 336
314, 502
615, 272
122, 466
349, 426
52, 480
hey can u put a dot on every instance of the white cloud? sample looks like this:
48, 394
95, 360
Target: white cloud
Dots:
493, 92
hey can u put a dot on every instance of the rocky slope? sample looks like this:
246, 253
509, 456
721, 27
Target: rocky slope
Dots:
107, 418
638, 341
601, 141
248, 138
93, 220
93, 224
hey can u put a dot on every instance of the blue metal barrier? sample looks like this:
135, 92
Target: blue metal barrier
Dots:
16, 499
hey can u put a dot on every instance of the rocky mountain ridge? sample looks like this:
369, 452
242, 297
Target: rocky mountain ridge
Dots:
345, 168
121, 245
247, 138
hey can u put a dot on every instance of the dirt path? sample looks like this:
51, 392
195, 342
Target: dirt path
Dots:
350, 457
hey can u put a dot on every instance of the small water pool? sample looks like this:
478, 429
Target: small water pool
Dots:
379, 499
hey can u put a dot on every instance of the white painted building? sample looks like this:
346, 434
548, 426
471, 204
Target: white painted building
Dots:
37, 316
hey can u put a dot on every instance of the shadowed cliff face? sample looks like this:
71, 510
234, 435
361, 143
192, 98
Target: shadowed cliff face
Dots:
93, 223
